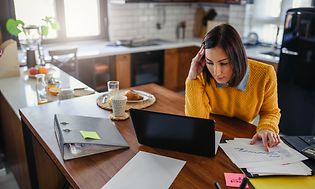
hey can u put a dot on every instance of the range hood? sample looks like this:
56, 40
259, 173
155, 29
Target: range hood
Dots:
149, 1
132, 1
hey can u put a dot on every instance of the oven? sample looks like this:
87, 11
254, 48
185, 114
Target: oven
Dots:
147, 67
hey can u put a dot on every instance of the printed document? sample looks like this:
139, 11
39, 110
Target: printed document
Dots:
280, 160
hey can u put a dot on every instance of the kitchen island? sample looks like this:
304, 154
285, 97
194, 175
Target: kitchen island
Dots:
17, 93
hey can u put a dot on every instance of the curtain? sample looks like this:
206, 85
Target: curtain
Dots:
6, 11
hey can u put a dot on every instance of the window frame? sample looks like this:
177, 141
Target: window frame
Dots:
61, 33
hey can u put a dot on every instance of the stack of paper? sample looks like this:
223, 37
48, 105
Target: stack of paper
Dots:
280, 160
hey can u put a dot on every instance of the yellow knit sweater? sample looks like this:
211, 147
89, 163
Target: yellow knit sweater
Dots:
260, 97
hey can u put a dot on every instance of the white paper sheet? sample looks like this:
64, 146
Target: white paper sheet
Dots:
218, 136
245, 155
146, 170
289, 169
280, 160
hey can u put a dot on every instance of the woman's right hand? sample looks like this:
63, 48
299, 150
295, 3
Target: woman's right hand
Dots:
197, 64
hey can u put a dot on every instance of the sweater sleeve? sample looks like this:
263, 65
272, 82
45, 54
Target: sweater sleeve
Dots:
196, 99
270, 112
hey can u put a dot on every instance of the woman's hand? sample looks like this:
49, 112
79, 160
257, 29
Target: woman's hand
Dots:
268, 137
197, 64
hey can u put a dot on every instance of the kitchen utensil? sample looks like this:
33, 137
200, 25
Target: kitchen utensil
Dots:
200, 13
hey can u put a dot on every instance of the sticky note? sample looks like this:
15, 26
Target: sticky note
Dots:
90, 135
234, 179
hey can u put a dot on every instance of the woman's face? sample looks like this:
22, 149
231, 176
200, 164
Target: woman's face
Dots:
218, 64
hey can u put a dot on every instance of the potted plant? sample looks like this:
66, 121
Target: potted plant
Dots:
15, 27
33, 35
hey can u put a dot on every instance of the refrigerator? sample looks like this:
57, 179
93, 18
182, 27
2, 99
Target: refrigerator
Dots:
296, 73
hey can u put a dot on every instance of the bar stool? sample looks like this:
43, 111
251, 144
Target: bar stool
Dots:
102, 74
66, 60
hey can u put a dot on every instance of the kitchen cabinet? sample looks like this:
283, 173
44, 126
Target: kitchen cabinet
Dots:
227, 1
212, 1
176, 66
123, 70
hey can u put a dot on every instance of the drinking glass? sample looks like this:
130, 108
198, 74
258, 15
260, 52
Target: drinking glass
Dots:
113, 88
41, 89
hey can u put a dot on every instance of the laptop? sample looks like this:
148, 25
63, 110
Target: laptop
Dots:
174, 132
299, 142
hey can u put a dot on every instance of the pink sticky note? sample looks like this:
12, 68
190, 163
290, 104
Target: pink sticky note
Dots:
234, 179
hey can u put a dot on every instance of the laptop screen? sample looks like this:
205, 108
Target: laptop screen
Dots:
174, 132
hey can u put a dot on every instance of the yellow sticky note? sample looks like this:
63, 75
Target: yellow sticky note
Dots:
90, 135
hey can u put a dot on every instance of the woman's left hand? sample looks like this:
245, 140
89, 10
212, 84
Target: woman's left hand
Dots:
268, 137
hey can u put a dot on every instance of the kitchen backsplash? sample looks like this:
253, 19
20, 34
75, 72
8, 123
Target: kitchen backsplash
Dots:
139, 20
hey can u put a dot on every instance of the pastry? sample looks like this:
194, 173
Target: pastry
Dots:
132, 95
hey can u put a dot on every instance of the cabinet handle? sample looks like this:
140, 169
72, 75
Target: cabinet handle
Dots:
286, 51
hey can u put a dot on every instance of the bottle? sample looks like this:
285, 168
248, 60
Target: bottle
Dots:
41, 89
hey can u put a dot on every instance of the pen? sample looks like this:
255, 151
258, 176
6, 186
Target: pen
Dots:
244, 182
217, 185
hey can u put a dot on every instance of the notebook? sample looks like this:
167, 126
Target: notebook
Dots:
175, 132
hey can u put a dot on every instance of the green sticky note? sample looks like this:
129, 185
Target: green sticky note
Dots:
90, 135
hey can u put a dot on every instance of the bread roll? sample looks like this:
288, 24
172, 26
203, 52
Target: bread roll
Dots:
132, 95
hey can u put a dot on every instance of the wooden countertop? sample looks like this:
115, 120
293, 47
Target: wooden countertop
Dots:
94, 171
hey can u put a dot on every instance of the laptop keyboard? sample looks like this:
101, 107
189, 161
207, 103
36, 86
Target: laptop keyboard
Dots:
295, 142
308, 139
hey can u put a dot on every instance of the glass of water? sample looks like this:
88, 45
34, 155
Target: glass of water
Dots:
113, 88
41, 89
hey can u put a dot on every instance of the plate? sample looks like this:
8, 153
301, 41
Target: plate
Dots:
140, 93
51, 71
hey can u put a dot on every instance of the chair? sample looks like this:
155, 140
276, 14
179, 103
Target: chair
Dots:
102, 74
66, 60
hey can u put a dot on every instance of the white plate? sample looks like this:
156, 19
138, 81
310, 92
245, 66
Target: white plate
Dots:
141, 93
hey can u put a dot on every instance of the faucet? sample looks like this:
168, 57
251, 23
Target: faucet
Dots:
180, 30
275, 46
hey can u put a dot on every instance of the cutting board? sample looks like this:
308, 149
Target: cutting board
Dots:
197, 29
0, 37
9, 64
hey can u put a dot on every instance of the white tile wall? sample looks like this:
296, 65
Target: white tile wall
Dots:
138, 20
239, 18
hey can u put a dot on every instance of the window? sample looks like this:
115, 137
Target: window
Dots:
268, 15
32, 15
82, 18
79, 19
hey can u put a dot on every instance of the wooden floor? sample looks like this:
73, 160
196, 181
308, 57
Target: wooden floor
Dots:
7, 179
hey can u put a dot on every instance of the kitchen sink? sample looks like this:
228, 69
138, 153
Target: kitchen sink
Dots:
139, 42
271, 53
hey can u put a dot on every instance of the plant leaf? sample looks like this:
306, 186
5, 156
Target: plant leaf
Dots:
55, 25
44, 30
14, 26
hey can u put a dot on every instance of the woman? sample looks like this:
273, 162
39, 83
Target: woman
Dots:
222, 81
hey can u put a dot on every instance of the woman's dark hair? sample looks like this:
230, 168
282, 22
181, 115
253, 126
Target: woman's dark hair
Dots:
227, 38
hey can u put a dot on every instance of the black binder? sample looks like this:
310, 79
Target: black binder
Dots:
73, 145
